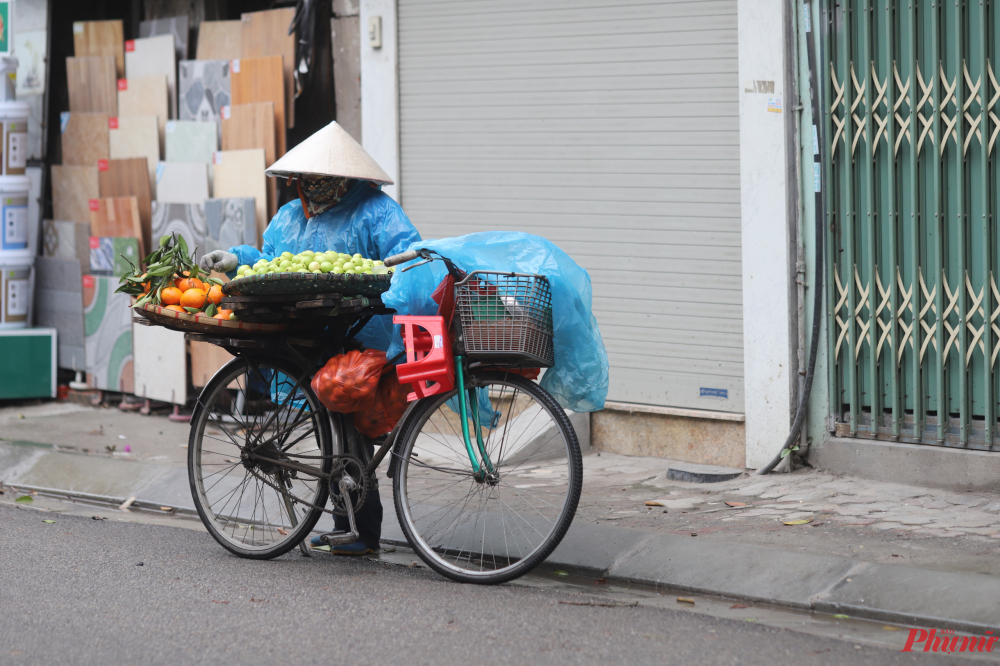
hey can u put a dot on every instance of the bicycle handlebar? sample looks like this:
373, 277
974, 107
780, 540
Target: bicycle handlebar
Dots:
401, 258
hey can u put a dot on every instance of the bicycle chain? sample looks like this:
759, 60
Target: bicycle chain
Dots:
343, 459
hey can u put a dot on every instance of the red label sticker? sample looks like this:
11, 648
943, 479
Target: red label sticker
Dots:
88, 281
122, 84
130, 45
95, 204
95, 242
112, 123
102, 165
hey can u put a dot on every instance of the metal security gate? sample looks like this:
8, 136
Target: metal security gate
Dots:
912, 176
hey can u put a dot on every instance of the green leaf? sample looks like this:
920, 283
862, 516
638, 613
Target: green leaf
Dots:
164, 240
145, 299
211, 310
785, 452
843, 617
160, 272
560, 573
182, 246
193, 310
48, 521
24, 499
215, 280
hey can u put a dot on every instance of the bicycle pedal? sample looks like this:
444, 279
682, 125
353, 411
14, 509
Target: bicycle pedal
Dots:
339, 538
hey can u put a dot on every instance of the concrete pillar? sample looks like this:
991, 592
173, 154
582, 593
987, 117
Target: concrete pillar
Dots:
380, 91
769, 342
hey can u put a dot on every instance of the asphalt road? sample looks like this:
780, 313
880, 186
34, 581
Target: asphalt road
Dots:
73, 592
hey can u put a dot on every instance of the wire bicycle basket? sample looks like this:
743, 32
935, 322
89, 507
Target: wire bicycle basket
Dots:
506, 318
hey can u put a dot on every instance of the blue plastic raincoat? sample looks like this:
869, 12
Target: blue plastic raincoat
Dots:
366, 221
579, 378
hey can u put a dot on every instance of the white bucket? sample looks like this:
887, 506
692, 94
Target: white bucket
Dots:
14, 232
14, 120
15, 289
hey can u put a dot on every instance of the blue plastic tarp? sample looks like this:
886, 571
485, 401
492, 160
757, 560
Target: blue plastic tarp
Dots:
579, 378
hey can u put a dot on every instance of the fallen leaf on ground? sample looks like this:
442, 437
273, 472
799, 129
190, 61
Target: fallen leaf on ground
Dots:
888, 628
652, 503
600, 581
740, 606
694, 534
127, 503
736, 504
843, 617
817, 524
797, 522
166, 508
558, 573
685, 600
23, 499
48, 521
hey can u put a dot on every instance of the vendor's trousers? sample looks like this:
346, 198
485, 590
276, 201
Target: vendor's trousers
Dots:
369, 517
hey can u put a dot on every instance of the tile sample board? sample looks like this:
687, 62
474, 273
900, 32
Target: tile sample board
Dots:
186, 219
220, 40
92, 84
259, 80
174, 25
191, 141
266, 34
108, 331
129, 177
204, 89
160, 370
182, 182
108, 255
134, 137
240, 173
100, 38
84, 138
72, 189
206, 359
59, 305
62, 239
154, 56
247, 126
230, 222
145, 96
115, 216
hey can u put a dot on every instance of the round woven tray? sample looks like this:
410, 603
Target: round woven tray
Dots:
200, 323
274, 284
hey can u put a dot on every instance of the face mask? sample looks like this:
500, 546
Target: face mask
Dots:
322, 194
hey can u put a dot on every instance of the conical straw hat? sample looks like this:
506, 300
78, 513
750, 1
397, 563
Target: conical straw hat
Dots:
330, 152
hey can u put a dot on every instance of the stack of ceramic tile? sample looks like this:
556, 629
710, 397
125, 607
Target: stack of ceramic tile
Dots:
154, 143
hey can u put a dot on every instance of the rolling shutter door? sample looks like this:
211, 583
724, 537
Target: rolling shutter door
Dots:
612, 130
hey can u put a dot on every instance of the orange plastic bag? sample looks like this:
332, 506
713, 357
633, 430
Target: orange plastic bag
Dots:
384, 408
346, 381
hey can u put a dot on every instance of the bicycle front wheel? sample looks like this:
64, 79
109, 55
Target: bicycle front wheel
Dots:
253, 506
499, 524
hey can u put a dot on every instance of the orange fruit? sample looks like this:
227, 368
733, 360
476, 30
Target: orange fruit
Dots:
146, 284
215, 294
175, 308
194, 298
225, 313
171, 296
185, 283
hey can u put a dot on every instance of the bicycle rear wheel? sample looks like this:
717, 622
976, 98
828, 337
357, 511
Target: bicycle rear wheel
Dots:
492, 528
252, 507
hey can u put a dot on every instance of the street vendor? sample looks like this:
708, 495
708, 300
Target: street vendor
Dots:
342, 208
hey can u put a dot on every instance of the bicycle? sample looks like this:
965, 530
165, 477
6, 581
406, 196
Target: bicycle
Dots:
486, 472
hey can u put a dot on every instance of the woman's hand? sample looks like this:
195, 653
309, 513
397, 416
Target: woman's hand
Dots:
219, 260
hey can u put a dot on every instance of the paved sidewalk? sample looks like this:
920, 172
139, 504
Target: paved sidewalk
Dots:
886, 551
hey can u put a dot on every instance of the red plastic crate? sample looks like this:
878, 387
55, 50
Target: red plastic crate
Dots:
430, 366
